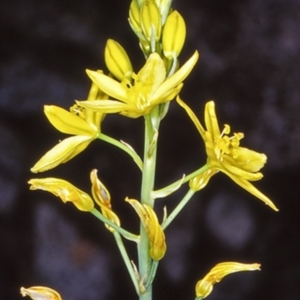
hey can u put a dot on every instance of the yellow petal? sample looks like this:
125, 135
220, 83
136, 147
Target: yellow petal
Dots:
40, 293
211, 121
251, 189
154, 231
110, 215
199, 182
250, 160
216, 274
108, 85
174, 80
152, 74
66, 122
239, 172
102, 198
64, 190
99, 191
192, 116
62, 152
105, 106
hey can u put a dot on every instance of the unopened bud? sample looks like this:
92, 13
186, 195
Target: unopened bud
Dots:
150, 21
164, 8
117, 60
173, 35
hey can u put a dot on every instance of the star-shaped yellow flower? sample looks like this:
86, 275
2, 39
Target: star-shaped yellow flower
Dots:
225, 154
83, 123
150, 87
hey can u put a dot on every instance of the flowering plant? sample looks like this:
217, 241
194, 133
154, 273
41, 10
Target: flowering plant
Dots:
146, 94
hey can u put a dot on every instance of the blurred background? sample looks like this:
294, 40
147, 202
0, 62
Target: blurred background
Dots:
250, 66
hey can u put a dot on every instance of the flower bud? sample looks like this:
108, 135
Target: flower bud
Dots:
40, 293
65, 191
117, 60
173, 35
134, 17
150, 21
164, 8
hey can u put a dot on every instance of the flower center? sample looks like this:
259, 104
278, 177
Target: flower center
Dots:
226, 145
139, 96
78, 111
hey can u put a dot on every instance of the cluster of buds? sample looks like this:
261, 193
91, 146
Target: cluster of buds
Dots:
158, 28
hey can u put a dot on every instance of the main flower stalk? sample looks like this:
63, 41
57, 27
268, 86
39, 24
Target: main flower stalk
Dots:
148, 176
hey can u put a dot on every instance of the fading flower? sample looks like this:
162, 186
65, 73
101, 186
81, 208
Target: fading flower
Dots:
150, 88
83, 123
205, 286
40, 293
154, 231
102, 198
65, 191
225, 154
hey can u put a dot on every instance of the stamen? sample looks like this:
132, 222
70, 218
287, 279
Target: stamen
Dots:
78, 110
226, 130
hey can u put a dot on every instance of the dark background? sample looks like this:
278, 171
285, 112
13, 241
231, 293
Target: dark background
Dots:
250, 66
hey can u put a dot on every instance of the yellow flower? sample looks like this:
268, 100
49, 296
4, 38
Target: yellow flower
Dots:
205, 286
84, 124
102, 198
225, 154
65, 191
154, 231
40, 293
150, 88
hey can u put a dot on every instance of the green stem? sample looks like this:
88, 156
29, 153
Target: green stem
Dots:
123, 146
178, 209
126, 234
185, 179
127, 261
152, 272
148, 177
